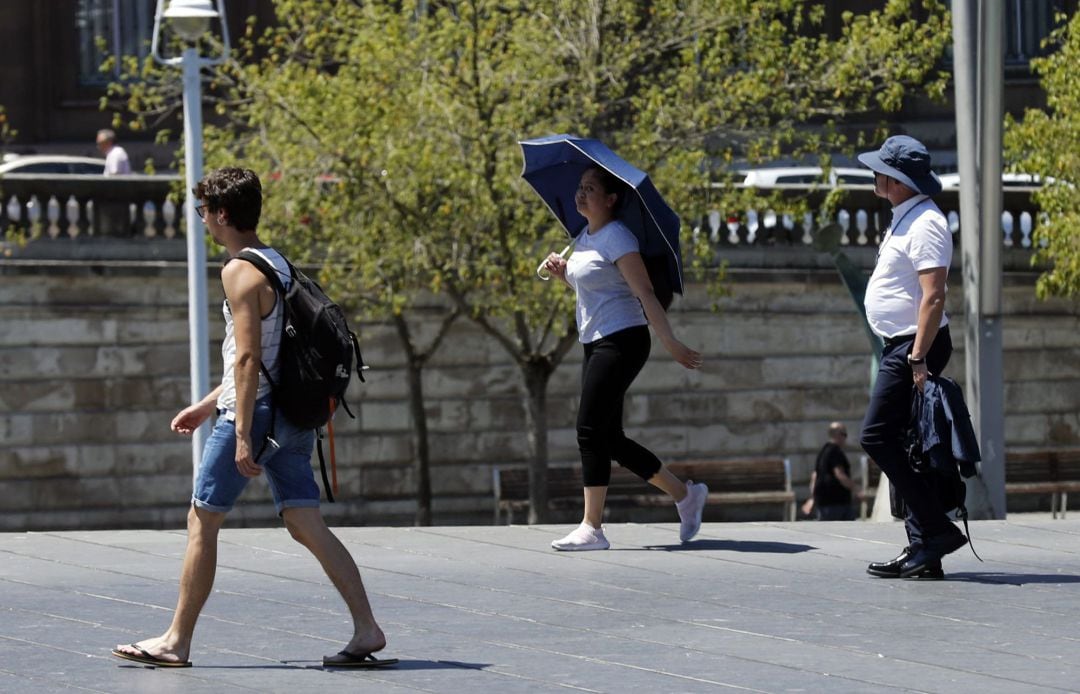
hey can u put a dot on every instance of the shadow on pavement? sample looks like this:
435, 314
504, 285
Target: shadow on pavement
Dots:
734, 546
1011, 579
439, 665
402, 665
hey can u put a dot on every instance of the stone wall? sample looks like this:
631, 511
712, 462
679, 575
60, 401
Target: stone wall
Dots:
94, 364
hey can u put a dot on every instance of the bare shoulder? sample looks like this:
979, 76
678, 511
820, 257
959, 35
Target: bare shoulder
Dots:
240, 277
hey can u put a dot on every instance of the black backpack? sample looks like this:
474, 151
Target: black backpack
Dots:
317, 357
318, 352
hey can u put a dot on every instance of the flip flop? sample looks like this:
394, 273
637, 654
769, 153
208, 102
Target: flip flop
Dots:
147, 659
357, 660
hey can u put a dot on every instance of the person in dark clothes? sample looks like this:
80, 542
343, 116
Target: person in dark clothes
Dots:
831, 486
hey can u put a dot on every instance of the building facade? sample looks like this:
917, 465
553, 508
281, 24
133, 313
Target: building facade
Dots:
51, 83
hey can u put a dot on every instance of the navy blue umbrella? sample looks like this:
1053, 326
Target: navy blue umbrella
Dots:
553, 167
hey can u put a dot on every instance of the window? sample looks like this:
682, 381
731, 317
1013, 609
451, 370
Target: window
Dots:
1027, 23
43, 168
860, 179
799, 178
126, 26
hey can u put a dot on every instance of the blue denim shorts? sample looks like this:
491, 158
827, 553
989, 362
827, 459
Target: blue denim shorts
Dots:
287, 466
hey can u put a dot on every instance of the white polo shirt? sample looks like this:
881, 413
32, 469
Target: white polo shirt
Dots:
117, 162
918, 239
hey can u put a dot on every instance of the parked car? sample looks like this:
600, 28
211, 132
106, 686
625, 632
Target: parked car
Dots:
1008, 180
53, 164
807, 175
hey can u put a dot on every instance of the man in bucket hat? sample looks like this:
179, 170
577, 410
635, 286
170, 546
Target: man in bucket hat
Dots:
905, 305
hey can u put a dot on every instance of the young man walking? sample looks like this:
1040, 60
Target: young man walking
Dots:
240, 448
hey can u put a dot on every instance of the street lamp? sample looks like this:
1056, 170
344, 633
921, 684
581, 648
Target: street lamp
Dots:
190, 19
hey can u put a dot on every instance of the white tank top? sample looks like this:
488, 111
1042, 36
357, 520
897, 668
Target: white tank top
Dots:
271, 338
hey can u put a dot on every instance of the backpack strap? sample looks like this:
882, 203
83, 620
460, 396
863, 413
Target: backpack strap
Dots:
273, 277
322, 467
361, 367
330, 487
333, 453
271, 272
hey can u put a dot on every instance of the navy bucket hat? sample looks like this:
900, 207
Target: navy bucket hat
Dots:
905, 159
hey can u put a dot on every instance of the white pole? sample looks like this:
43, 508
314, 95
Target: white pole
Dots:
989, 415
198, 322
977, 61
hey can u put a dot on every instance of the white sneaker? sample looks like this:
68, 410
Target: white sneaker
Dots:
585, 537
690, 509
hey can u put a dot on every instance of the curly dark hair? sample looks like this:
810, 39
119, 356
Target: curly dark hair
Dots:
235, 191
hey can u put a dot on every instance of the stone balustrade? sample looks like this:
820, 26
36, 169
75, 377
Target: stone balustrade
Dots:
862, 215
50, 208
59, 208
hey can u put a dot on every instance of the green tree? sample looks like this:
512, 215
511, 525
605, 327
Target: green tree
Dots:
1047, 142
392, 131
11, 234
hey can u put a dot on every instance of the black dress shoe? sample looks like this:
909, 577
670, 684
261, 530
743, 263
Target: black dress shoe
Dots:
931, 553
891, 568
933, 572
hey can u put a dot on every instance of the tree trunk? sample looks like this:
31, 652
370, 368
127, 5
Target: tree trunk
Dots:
537, 374
423, 454
414, 367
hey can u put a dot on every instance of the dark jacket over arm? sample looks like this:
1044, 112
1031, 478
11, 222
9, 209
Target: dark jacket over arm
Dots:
944, 425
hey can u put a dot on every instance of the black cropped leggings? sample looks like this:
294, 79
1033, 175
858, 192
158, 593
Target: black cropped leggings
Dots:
611, 364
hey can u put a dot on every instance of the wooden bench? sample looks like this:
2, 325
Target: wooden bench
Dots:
741, 481
1054, 472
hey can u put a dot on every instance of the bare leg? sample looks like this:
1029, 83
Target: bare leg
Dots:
307, 527
196, 582
594, 505
669, 483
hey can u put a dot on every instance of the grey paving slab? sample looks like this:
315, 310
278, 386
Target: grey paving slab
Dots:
769, 607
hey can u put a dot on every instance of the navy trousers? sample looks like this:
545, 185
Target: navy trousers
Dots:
885, 424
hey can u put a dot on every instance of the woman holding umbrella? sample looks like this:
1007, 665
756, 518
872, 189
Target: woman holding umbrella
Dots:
615, 304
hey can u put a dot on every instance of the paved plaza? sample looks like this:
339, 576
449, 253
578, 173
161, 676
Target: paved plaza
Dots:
764, 607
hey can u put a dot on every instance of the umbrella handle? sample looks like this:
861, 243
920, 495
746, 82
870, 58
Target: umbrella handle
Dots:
542, 272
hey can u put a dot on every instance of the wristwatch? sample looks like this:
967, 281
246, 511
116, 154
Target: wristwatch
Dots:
915, 362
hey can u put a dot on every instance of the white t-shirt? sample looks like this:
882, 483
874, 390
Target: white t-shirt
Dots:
918, 239
271, 337
116, 161
605, 304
